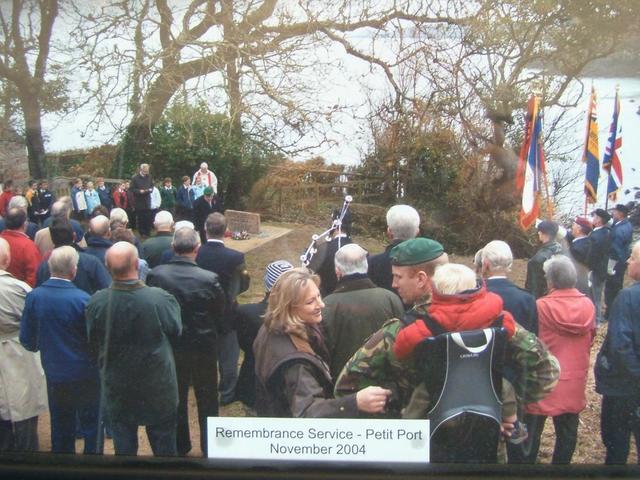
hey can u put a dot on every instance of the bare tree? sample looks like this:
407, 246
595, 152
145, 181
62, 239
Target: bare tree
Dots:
26, 28
261, 61
474, 76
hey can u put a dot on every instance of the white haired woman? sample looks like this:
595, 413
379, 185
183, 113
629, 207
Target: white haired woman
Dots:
293, 378
567, 326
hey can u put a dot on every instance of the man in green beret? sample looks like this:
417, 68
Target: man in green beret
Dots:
413, 264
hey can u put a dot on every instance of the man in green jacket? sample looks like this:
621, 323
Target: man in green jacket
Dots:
130, 326
356, 308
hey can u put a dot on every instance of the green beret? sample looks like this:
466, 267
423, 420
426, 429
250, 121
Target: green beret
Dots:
415, 251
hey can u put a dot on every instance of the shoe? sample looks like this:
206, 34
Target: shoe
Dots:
519, 433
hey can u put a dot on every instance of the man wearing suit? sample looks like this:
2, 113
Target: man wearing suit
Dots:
141, 188
403, 223
619, 251
496, 263
579, 248
598, 257
230, 267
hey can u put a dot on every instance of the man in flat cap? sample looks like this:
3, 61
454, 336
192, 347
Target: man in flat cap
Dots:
535, 282
413, 264
619, 252
599, 257
579, 249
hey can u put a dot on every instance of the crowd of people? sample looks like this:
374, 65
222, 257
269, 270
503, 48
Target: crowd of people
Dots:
108, 330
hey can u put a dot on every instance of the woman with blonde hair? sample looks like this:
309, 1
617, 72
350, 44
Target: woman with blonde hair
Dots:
293, 378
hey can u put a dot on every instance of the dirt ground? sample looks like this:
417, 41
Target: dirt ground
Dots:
289, 247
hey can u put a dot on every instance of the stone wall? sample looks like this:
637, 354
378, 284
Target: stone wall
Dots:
13, 157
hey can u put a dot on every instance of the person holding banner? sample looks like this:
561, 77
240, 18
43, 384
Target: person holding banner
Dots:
293, 378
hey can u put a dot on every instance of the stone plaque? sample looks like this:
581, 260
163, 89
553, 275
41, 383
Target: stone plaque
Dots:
238, 221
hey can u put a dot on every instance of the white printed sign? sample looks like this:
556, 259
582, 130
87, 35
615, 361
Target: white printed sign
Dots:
318, 439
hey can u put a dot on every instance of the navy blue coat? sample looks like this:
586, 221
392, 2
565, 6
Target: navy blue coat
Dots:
617, 368
91, 276
97, 246
518, 302
53, 321
229, 265
621, 237
380, 267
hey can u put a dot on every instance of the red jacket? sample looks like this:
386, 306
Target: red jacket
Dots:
455, 313
120, 199
4, 201
567, 327
25, 256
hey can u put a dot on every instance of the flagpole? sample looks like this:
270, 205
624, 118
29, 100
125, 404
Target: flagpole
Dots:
538, 94
613, 132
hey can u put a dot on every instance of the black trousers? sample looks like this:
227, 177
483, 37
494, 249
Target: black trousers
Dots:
200, 368
21, 436
566, 428
162, 437
619, 418
144, 221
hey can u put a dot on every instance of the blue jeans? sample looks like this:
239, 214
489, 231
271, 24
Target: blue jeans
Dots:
228, 354
71, 400
162, 437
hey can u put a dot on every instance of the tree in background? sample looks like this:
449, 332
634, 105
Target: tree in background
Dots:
258, 62
188, 135
32, 84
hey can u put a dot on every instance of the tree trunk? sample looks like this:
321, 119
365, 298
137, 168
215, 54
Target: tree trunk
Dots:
233, 191
33, 134
138, 134
503, 186
234, 185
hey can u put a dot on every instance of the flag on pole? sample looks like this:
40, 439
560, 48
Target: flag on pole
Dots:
591, 152
531, 168
612, 153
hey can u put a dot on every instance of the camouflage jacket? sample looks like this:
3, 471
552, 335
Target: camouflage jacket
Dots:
376, 364
534, 370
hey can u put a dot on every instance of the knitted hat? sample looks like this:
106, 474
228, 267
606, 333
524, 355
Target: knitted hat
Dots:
208, 191
273, 272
